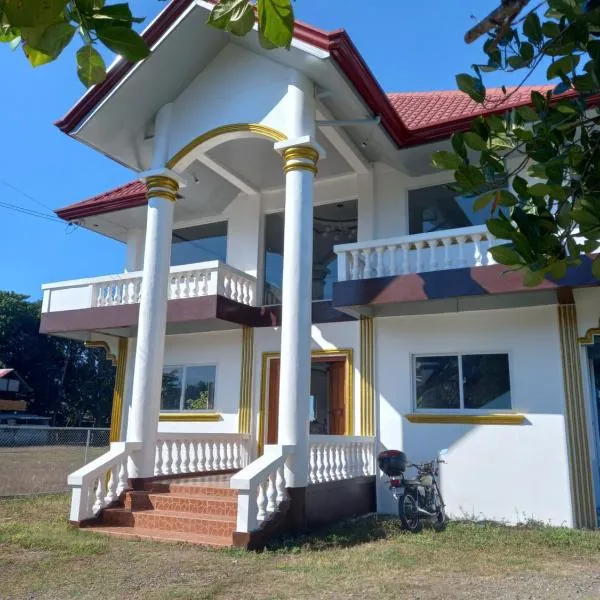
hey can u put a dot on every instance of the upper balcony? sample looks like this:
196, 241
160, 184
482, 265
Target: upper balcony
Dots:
202, 296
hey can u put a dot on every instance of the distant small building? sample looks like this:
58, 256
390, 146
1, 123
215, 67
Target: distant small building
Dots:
14, 391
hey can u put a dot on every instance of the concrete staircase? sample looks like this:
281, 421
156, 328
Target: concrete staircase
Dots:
199, 510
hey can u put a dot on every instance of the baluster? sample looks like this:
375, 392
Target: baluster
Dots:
216, 457
488, 256
117, 294
486, 244
251, 294
326, 463
157, 458
339, 471
201, 457
405, 259
229, 454
477, 256
460, 240
320, 466
175, 457
111, 492
129, 292
166, 458
365, 459
367, 270
359, 467
355, 272
183, 457
222, 457
99, 503
261, 502
280, 485
209, 464
419, 246
240, 293
122, 483
193, 461
312, 471
205, 280
392, 266
344, 461
447, 242
332, 463
380, 266
432, 258
271, 493
236, 456
99, 299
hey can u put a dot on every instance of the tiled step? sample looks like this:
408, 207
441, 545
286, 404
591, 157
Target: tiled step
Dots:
164, 536
185, 488
205, 524
182, 503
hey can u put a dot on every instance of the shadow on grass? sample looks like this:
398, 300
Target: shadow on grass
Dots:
341, 535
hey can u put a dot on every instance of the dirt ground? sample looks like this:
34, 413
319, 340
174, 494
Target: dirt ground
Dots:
40, 469
43, 558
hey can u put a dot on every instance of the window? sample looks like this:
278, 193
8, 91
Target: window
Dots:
438, 208
200, 243
188, 388
467, 381
332, 224
3, 385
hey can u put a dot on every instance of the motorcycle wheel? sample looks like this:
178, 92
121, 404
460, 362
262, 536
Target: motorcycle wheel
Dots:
408, 513
441, 522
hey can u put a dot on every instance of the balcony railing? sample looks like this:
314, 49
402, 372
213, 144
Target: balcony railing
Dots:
425, 252
185, 281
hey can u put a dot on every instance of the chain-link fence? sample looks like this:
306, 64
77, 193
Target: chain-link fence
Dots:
36, 460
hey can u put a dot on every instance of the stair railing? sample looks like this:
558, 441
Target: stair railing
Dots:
99, 483
261, 487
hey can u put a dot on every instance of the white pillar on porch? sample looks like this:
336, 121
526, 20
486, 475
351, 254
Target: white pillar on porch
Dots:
143, 417
300, 153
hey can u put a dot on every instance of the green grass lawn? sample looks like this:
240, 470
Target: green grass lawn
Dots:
41, 556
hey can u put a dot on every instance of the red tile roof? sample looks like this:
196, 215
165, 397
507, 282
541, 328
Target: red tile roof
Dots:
5, 372
422, 110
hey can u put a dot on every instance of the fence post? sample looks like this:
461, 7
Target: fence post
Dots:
87, 445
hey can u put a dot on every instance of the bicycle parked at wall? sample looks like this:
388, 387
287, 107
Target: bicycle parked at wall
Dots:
419, 499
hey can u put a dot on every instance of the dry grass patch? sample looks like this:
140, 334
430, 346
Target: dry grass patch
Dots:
44, 558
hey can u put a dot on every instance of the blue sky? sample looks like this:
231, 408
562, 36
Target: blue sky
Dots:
410, 46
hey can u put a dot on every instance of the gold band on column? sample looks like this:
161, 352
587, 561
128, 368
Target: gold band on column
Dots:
367, 396
119, 391
582, 493
300, 158
245, 414
161, 186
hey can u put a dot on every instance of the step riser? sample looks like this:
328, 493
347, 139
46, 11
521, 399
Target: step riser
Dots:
191, 490
173, 523
166, 502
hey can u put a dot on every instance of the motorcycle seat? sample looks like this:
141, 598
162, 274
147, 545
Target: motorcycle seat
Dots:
412, 482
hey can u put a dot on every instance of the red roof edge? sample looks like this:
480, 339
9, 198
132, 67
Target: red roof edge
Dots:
90, 209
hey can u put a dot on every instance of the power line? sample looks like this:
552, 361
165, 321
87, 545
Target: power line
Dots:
23, 193
30, 212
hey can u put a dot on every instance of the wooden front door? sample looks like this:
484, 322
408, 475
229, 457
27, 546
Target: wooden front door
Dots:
336, 396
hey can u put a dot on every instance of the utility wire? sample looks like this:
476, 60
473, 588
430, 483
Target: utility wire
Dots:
30, 212
23, 193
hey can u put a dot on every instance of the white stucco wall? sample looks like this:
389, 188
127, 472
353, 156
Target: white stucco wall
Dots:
502, 472
220, 348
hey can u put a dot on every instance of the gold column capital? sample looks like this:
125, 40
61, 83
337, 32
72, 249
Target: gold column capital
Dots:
300, 158
161, 184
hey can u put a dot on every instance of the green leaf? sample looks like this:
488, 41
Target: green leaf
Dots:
471, 86
475, 141
533, 278
558, 269
234, 16
51, 40
563, 66
500, 228
124, 41
596, 267
275, 23
119, 13
505, 255
506, 198
444, 159
539, 189
90, 66
527, 113
35, 57
32, 13
532, 28
458, 144
520, 186
469, 178
551, 29
8, 34
483, 200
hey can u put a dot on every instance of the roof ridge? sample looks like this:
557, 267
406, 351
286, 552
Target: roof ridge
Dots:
509, 88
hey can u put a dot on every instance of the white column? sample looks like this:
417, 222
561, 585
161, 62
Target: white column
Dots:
300, 154
135, 250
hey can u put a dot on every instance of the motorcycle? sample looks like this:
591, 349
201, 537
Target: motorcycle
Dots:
419, 499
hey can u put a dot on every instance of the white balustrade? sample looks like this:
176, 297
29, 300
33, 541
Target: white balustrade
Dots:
185, 281
426, 252
261, 487
101, 482
336, 457
178, 453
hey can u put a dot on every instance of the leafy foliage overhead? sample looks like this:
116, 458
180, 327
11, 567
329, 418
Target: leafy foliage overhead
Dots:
541, 162
44, 28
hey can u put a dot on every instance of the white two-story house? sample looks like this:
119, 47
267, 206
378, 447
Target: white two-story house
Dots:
302, 290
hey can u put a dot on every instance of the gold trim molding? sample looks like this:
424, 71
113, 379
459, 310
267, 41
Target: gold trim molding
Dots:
119, 391
255, 128
588, 338
100, 344
161, 186
184, 417
245, 412
367, 394
493, 419
300, 158
582, 493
